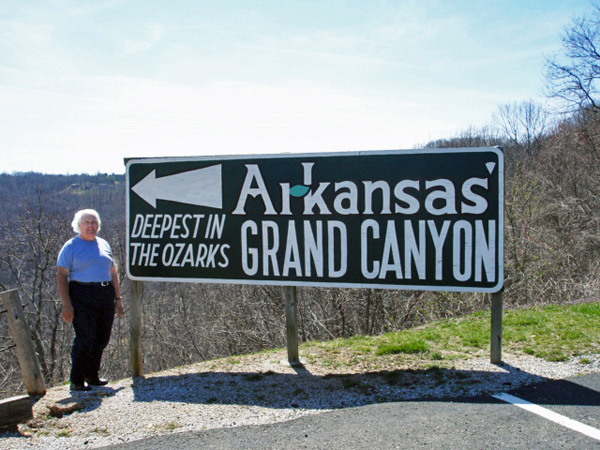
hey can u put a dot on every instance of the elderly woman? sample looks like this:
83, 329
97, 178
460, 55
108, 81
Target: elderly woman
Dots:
89, 288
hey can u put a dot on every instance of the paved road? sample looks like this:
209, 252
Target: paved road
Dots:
468, 423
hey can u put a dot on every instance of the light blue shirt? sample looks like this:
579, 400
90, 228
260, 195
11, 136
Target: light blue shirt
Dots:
87, 261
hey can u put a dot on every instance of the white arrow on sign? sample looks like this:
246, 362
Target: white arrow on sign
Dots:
201, 187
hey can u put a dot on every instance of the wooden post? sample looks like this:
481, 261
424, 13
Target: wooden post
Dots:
291, 324
21, 336
135, 335
496, 335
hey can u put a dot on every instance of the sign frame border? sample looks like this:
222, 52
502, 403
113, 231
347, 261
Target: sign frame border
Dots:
216, 158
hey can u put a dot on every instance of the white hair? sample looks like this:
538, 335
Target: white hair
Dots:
79, 215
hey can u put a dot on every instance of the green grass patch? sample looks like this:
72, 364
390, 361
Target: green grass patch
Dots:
412, 346
554, 333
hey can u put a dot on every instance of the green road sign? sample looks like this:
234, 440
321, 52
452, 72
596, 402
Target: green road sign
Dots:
416, 219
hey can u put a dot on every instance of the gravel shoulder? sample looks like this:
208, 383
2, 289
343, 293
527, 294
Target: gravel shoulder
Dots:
260, 389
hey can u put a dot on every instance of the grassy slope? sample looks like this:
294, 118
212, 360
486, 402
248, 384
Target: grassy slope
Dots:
554, 333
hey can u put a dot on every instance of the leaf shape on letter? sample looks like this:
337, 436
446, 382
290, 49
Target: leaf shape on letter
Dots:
299, 190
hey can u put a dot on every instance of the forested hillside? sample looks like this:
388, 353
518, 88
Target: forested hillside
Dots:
552, 245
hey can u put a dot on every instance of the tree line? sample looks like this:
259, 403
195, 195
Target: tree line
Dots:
552, 243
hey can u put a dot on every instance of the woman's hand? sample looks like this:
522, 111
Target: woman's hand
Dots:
67, 312
119, 307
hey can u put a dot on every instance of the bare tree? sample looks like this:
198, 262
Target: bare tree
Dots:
29, 250
524, 124
574, 75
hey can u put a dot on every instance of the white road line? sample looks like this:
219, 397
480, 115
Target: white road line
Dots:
550, 415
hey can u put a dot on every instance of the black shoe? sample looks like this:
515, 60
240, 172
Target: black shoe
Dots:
80, 388
96, 381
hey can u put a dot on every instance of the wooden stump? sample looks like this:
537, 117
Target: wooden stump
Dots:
13, 411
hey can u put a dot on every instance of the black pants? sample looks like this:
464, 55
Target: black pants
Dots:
94, 312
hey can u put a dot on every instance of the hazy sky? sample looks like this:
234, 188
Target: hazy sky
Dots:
86, 83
